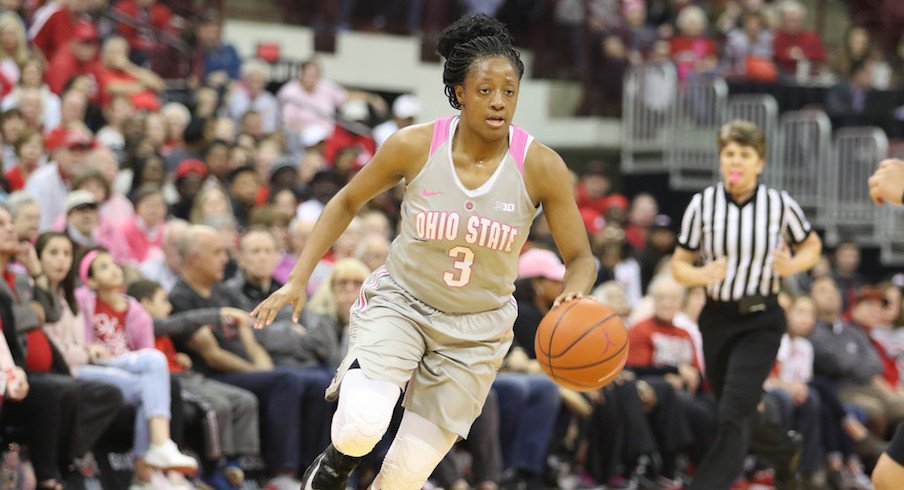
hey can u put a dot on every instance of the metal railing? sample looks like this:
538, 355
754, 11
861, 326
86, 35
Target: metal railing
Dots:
849, 212
647, 103
891, 225
803, 154
672, 128
699, 110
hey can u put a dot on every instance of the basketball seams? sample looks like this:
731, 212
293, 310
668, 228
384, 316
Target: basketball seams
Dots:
597, 363
595, 374
587, 332
552, 335
605, 380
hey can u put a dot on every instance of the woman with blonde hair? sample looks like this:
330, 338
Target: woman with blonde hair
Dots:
324, 341
13, 46
210, 202
327, 313
30, 79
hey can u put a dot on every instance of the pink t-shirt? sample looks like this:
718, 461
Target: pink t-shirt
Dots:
301, 108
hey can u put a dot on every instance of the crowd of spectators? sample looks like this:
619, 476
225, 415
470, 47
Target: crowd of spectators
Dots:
140, 225
597, 41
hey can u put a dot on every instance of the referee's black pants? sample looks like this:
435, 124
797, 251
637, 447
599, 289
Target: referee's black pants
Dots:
739, 350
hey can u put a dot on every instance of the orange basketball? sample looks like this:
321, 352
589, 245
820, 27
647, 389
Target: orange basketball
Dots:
582, 345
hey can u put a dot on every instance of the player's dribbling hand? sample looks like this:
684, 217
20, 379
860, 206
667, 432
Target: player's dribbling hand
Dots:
289, 294
887, 183
567, 296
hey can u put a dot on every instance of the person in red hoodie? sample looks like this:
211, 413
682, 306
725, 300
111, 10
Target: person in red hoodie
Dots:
663, 354
53, 25
77, 57
793, 44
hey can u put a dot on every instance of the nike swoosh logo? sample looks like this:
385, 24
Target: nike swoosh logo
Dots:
426, 193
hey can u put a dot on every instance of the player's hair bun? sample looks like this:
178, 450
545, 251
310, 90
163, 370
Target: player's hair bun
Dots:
468, 39
470, 27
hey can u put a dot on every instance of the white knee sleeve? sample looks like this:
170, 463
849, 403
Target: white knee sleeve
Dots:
408, 464
418, 447
365, 410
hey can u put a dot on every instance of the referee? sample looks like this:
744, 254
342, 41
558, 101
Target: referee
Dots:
747, 236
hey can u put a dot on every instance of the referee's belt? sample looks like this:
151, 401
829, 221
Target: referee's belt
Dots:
748, 304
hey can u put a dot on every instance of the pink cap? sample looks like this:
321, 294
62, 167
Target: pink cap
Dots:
538, 262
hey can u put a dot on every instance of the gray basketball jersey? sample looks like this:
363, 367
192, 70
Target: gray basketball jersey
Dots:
458, 248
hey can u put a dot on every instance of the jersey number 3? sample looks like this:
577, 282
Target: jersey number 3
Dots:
464, 259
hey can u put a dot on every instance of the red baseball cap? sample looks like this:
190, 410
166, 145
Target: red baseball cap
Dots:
617, 201
85, 32
191, 166
65, 138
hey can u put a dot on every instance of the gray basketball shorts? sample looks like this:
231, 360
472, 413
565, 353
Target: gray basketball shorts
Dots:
445, 363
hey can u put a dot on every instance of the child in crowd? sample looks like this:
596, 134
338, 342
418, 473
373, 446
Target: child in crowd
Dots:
788, 384
119, 336
231, 427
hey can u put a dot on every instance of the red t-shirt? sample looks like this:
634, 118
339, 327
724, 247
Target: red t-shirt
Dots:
688, 51
64, 66
38, 356
660, 344
110, 327
342, 138
146, 100
598, 204
808, 42
53, 29
15, 178
165, 345
637, 236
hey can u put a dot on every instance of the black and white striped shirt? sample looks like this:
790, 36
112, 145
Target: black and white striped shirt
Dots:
746, 235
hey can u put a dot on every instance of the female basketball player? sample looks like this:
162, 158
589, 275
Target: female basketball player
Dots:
887, 185
438, 317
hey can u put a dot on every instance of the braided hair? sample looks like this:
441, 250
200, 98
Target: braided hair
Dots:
469, 39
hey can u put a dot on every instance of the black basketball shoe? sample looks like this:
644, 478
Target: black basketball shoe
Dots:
329, 471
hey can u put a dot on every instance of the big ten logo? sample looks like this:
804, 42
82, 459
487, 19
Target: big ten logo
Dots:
505, 207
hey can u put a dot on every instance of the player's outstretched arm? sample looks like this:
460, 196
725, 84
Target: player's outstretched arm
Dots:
402, 153
887, 183
549, 184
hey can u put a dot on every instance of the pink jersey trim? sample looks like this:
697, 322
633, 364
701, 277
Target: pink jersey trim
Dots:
440, 133
518, 146
370, 284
